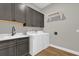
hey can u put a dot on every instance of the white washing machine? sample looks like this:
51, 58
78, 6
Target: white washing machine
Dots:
38, 42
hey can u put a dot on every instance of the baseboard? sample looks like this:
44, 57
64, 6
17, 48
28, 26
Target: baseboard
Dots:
65, 49
36, 52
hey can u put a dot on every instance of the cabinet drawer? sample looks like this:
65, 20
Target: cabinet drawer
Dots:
20, 40
12, 42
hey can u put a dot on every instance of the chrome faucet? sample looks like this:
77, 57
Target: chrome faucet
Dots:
13, 31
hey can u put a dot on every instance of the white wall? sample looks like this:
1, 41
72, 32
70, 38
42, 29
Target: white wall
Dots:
34, 7
6, 27
67, 36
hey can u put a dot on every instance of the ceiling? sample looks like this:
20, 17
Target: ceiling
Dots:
41, 5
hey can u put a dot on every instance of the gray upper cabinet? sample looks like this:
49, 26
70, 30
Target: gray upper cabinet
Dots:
29, 16
34, 18
12, 11
19, 12
5, 11
38, 19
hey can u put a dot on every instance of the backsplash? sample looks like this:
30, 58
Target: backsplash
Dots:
6, 26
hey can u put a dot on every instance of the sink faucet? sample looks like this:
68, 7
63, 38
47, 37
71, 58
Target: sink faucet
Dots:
13, 31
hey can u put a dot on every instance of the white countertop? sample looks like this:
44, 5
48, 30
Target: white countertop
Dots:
19, 35
9, 37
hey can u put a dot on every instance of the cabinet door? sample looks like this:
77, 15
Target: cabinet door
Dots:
5, 11
4, 48
19, 13
4, 52
12, 47
35, 21
34, 18
12, 50
38, 19
41, 18
29, 16
22, 46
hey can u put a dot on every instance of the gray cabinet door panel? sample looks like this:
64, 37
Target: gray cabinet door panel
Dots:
34, 18
5, 11
22, 46
38, 19
19, 13
41, 18
12, 50
4, 48
4, 52
12, 47
29, 16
